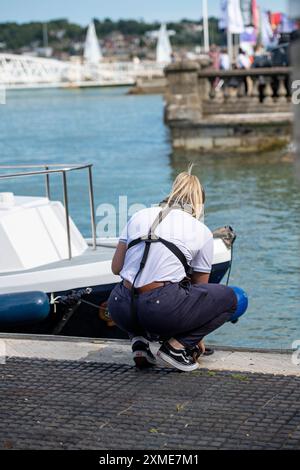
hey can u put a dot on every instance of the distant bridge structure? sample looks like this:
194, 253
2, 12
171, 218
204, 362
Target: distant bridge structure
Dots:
20, 71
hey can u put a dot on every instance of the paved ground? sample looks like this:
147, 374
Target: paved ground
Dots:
119, 352
50, 404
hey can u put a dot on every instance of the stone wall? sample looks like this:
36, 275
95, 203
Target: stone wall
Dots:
183, 101
228, 120
149, 86
296, 61
248, 137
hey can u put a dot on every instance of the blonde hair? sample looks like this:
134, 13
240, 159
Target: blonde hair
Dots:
187, 190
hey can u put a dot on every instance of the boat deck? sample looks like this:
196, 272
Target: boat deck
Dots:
77, 394
87, 270
103, 253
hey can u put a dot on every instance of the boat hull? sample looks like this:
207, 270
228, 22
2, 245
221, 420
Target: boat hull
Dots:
69, 277
85, 319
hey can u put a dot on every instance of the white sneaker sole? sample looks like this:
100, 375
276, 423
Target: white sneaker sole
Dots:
165, 358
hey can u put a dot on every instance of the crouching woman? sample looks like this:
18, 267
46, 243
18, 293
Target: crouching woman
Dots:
164, 257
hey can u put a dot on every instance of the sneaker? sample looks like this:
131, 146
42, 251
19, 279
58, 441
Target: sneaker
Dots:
178, 358
141, 353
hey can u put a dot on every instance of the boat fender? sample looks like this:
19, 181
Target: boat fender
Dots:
23, 308
242, 304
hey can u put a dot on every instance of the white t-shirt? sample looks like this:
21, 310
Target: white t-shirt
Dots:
243, 61
191, 236
225, 61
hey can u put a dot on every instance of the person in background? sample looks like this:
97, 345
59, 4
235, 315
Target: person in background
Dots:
224, 60
214, 55
259, 50
262, 59
243, 62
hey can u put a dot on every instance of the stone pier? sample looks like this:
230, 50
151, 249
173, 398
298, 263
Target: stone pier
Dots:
296, 76
236, 111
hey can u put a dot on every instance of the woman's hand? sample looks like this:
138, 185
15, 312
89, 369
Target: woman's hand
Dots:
201, 346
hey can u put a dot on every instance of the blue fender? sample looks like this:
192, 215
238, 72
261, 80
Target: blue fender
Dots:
242, 303
23, 307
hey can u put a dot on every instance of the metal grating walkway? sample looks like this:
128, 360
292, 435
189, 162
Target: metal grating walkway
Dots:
80, 405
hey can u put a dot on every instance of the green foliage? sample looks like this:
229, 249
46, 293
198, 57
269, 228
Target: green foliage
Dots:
62, 34
16, 35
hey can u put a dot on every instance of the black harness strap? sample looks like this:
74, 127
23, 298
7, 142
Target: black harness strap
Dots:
135, 242
178, 253
138, 330
171, 246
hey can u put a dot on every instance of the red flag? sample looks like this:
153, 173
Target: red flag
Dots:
275, 20
255, 14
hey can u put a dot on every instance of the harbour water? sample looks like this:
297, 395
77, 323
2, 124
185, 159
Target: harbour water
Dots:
126, 140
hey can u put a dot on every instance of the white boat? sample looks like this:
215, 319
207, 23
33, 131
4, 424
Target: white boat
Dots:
52, 279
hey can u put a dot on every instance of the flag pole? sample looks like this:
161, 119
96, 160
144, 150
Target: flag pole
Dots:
230, 46
229, 38
205, 25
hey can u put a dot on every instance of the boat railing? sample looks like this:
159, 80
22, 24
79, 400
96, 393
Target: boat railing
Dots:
47, 170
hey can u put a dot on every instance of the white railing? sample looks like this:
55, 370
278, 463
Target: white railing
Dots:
19, 70
16, 69
47, 170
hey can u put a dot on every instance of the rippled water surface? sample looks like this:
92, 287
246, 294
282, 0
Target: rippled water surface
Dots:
124, 137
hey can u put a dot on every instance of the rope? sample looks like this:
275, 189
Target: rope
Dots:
229, 272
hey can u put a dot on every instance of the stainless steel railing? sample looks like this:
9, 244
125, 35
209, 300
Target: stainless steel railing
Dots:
47, 171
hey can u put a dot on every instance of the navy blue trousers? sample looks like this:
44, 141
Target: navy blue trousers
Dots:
185, 312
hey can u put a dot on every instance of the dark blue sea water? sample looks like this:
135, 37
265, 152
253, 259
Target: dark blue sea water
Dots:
126, 140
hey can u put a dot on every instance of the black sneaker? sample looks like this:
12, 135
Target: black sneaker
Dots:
178, 358
141, 353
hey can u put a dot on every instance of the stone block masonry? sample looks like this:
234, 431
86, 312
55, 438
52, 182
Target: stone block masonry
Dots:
213, 111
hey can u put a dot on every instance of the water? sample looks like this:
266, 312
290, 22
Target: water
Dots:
124, 137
